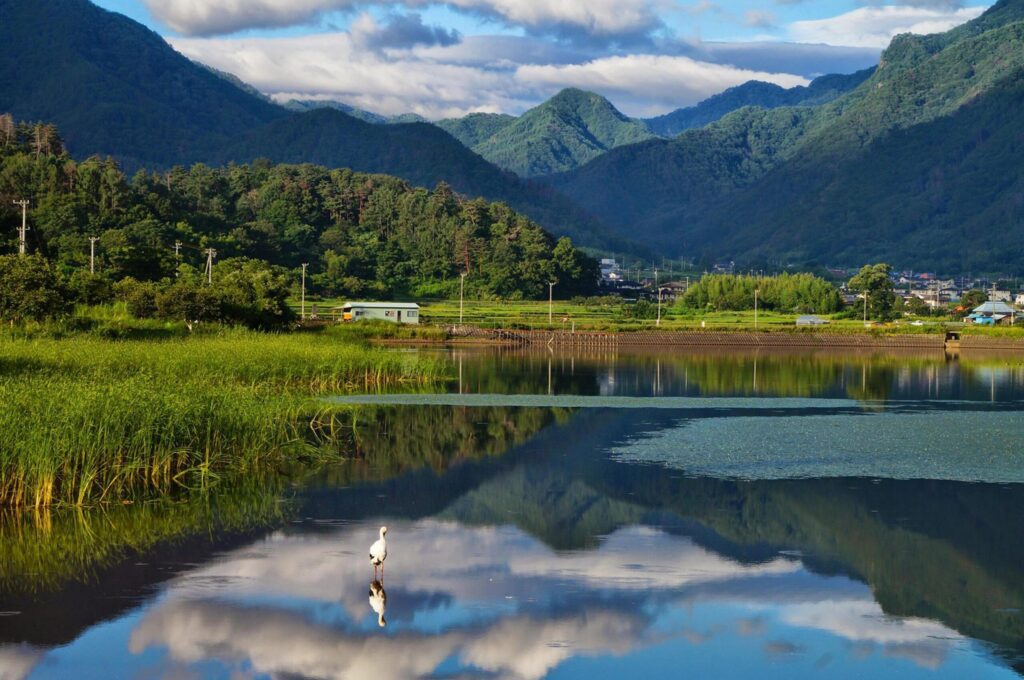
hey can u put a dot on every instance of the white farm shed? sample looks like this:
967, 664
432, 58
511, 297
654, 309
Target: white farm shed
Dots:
398, 312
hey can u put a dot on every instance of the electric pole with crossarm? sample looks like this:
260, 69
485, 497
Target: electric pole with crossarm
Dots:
24, 224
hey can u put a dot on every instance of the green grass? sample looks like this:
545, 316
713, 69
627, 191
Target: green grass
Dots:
91, 421
534, 315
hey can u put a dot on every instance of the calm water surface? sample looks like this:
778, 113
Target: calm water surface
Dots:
605, 516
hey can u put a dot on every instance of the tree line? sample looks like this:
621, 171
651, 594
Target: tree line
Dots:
362, 235
801, 293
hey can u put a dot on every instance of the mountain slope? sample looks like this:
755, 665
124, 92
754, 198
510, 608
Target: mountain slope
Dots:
417, 152
113, 86
475, 128
304, 105
755, 93
745, 186
564, 132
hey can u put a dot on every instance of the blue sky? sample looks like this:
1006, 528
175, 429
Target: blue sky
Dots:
647, 56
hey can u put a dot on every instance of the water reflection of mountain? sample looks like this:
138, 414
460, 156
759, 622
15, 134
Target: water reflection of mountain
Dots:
940, 550
943, 550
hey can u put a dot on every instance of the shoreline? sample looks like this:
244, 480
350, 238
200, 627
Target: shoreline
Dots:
717, 338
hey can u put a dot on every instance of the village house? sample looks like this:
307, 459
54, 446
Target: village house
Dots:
992, 314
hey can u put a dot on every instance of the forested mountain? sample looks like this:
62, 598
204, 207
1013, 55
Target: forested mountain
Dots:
821, 90
564, 132
303, 105
475, 128
115, 88
363, 235
918, 165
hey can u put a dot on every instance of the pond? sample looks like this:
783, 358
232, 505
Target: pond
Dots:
703, 514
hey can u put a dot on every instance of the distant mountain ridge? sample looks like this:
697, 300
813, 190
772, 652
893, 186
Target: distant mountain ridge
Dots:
821, 90
919, 165
560, 134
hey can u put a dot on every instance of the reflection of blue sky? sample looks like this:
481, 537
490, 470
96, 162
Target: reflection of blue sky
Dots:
492, 600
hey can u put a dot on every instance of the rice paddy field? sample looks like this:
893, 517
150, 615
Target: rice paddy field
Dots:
532, 314
91, 421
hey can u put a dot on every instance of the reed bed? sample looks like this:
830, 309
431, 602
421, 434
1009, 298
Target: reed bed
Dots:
89, 421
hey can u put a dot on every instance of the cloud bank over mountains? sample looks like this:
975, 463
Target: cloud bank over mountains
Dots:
442, 59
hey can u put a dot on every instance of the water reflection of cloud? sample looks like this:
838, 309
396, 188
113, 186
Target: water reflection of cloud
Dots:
506, 604
477, 563
17, 661
925, 643
278, 642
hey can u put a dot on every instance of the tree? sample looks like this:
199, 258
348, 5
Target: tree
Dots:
30, 289
875, 281
189, 302
973, 298
915, 306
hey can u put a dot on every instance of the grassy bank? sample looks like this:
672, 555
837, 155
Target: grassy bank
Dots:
615, 318
91, 421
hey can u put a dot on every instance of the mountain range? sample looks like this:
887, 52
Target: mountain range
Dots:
919, 165
114, 87
915, 162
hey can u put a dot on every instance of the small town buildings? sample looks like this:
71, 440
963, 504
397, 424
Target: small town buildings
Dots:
611, 272
1020, 300
992, 314
996, 295
398, 312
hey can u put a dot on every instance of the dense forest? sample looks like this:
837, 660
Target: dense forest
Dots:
362, 235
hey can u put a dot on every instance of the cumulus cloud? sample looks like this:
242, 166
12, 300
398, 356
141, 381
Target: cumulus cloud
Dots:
216, 17
876, 26
661, 82
592, 18
400, 31
437, 80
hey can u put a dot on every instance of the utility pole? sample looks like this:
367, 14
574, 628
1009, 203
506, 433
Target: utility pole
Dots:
24, 224
302, 314
462, 295
210, 254
177, 258
92, 254
757, 291
658, 322
551, 299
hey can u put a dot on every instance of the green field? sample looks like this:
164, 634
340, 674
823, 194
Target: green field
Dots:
534, 315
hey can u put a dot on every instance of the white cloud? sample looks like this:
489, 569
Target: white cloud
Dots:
607, 18
214, 17
439, 81
652, 84
876, 26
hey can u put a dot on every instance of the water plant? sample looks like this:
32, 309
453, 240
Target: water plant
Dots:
91, 421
